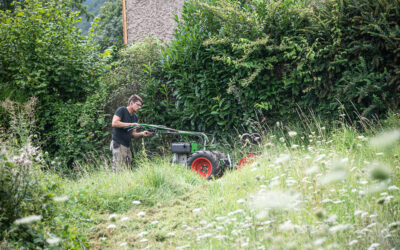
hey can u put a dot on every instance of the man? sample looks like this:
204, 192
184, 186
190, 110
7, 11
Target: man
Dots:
121, 137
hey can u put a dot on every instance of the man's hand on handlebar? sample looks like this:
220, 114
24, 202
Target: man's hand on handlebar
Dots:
147, 133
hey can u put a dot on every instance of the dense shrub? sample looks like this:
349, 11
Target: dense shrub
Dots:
138, 66
42, 54
108, 25
237, 61
24, 192
28, 206
81, 130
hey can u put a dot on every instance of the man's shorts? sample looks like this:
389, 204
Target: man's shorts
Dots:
122, 156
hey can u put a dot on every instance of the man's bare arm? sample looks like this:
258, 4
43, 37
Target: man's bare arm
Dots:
139, 134
116, 123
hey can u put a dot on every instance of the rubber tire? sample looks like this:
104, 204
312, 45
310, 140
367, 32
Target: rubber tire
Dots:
214, 161
220, 156
246, 160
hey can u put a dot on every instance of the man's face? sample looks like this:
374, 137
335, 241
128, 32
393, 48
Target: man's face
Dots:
136, 105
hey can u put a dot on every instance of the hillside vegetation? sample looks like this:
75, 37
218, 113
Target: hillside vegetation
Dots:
318, 80
308, 188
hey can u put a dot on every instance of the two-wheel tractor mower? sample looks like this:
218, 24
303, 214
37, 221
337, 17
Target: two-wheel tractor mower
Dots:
200, 155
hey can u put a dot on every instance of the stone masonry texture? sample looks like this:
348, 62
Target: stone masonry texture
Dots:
146, 18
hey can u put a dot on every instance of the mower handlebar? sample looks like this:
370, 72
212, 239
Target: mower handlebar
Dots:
166, 130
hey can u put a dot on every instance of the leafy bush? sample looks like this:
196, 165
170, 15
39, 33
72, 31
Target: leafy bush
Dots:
137, 65
24, 192
108, 26
80, 131
237, 61
27, 206
42, 54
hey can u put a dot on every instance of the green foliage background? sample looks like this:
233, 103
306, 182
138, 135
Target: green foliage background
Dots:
42, 54
233, 62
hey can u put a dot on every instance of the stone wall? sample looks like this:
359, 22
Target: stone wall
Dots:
151, 18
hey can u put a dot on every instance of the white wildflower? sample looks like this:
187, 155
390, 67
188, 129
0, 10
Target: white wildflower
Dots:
123, 244
332, 219
124, 219
362, 138
112, 217
292, 133
358, 212
385, 139
140, 235
379, 153
144, 240
221, 237
282, 139
392, 188
333, 176
240, 201
236, 212
219, 218
154, 222
111, 226
337, 173
53, 241
136, 202
61, 198
339, 228
286, 226
141, 214
183, 247
319, 242
394, 225
275, 200
373, 246
171, 234
294, 146
291, 182
320, 157
28, 220
196, 210
338, 201
311, 170
282, 158
353, 242
204, 236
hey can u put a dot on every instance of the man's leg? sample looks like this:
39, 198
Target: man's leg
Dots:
122, 156
127, 155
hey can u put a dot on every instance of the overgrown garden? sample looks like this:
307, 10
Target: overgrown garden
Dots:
234, 67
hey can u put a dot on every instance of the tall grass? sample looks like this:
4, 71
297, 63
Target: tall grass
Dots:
312, 186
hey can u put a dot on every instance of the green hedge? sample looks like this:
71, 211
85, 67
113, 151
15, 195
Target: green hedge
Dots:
234, 62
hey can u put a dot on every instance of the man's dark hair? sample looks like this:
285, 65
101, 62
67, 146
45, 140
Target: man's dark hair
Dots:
134, 98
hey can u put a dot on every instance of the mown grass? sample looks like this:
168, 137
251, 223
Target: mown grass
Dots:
306, 190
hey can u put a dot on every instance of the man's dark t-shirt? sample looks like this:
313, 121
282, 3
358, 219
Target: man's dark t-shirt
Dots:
121, 135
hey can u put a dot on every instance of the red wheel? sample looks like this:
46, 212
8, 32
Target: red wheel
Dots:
250, 158
202, 166
205, 163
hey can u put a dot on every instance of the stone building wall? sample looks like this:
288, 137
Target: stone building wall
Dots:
146, 18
